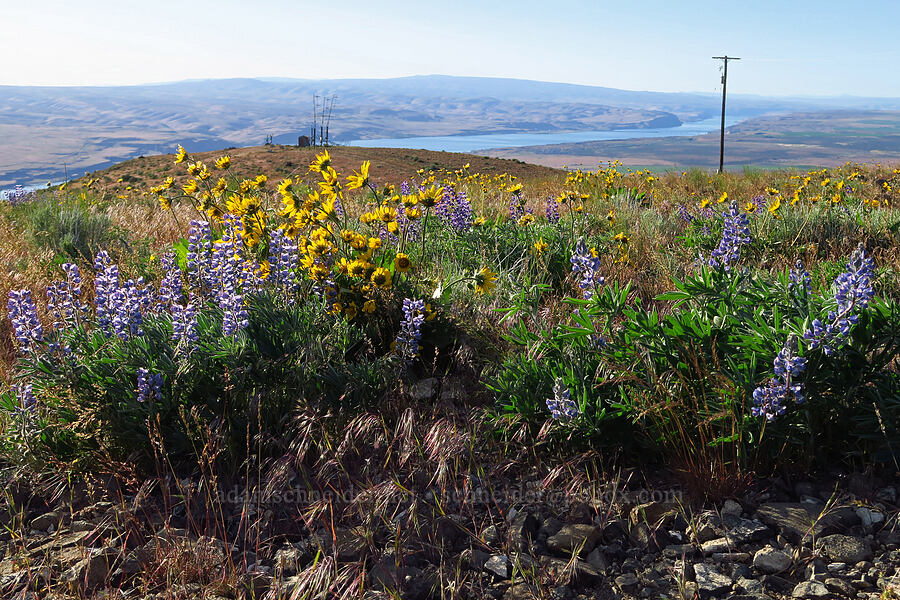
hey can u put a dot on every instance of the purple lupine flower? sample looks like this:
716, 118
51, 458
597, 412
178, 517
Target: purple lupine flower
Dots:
562, 407
106, 283
685, 215
171, 288
587, 266
769, 399
199, 255
799, 278
552, 210
17, 195
283, 261
128, 305
64, 299
411, 328
405, 188
149, 385
457, 210
27, 403
853, 291
184, 324
234, 313
516, 207
26, 325
735, 233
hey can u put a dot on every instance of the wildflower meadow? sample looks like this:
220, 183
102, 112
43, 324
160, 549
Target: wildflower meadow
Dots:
671, 318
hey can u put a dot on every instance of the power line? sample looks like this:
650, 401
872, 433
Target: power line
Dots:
725, 60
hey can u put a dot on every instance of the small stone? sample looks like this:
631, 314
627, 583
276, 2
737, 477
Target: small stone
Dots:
747, 530
869, 518
597, 559
710, 581
45, 521
839, 586
714, 546
628, 583
845, 548
836, 567
425, 389
731, 557
491, 535
89, 572
654, 514
732, 508
769, 560
643, 537
498, 565
575, 537
810, 589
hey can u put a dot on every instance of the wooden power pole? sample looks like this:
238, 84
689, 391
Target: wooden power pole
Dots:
724, 60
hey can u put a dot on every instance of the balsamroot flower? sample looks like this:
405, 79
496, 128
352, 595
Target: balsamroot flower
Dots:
562, 407
411, 328
26, 325
735, 233
587, 266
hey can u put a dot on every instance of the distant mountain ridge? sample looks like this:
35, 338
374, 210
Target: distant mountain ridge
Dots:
51, 130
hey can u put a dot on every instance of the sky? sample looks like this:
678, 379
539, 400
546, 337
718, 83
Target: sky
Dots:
787, 47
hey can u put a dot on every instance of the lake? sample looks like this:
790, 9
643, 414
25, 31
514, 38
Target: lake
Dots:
471, 143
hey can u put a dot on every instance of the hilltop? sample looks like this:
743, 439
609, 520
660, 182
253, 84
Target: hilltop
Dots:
388, 164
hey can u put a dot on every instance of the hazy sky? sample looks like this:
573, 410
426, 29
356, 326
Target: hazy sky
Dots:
787, 46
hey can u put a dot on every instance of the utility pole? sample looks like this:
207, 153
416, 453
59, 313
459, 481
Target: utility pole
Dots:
724, 60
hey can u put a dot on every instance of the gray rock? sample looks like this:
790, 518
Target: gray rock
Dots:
46, 521
522, 591
257, 583
575, 537
647, 539
751, 586
731, 557
710, 581
732, 508
839, 586
716, 545
811, 589
655, 514
498, 565
748, 530
769, 560
91, 571
868, 517
561, 570
491, 535
798, 522
597, 559
845, 548
425, 389
628, 583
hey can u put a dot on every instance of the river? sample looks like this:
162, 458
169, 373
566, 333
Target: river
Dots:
471, 143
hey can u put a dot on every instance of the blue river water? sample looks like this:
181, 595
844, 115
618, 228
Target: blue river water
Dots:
471, 143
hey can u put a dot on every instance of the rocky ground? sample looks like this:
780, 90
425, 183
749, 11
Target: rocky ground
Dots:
807, 542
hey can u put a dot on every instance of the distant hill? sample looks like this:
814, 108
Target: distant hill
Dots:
49, 132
